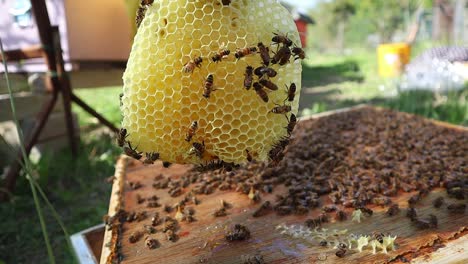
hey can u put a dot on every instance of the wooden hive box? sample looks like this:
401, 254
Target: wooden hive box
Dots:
203, 241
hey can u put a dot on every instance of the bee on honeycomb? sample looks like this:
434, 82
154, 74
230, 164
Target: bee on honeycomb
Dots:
164, 85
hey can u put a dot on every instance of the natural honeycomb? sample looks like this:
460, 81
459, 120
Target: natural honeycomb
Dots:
162, 98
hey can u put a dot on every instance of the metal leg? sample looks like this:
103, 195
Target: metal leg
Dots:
92, 112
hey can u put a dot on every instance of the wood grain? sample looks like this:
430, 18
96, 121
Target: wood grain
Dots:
203, 241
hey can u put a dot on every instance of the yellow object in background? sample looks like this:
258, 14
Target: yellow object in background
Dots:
132, 7
392, 58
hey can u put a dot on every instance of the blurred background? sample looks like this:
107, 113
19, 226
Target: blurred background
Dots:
408, 55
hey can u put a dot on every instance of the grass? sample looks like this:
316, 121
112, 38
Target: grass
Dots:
77, 188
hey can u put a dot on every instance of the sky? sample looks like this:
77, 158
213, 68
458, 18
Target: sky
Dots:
303, 5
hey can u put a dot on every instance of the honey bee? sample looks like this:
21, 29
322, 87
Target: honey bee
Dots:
249, 156
191, 131
198, 149
282, 39
208, 88
438, 202
262, 70
281, 109
282, 56
291, 124
268, 84
378, 236
298, 53
226, 2
132, 152
341, 250
260, 92
121, 137
151, 157
248, 77
264, 53
244, 52
190, 66
142, 10
120, 98
220, 55
291, 92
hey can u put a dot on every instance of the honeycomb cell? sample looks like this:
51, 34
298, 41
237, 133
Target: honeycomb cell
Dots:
161, 99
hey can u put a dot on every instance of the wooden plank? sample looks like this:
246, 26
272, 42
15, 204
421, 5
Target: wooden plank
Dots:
27, 105
31, 52
203, 241
84, 247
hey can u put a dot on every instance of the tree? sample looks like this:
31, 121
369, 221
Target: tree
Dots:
342, 10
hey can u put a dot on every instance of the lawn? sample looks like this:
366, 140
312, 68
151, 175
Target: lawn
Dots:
77, 187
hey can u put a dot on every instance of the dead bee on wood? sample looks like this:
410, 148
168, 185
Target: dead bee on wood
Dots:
393, 210
263, 209
411, 213
438, 202
135, 185
239, 232
292, 120
263, 70
291, 92
190, 66
171, 235
151, 243
456, 208
248, 77
264, 53
191, 131
281, 39
268, 84
282, 56
280, 109
122, 137
129, 151
340, 215
298, 53
151, 158
260, 92
220, 212
244, 52
135, 236
220, 55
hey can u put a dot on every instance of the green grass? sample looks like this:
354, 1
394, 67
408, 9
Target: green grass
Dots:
105, 100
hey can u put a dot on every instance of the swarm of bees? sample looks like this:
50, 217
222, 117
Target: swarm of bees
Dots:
260, 78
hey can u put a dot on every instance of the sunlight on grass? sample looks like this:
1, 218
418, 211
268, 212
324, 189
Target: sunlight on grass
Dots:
105, 100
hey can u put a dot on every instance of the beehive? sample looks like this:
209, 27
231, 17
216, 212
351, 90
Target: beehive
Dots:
160, 101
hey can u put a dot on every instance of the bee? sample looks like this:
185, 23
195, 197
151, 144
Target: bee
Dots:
151, 158
268, 84
329, 208
262, 70
140, 15
121, 137
248, 77
260, 92
378, 236
244, 52
281, 39
191, 131
341, 250
120, 99
298, 53
249, 156
208, 88
393, 210
422, 224
220, 212
151, 243
264, 53
438, 202
226, 2
323, 243
135, 236
340, 215
220, 55
239, 232
282, 56
129, 151
291, 92
166, 164
281, 109
366, 210
190, 66
198, 149
291, 124
411, 214
171, 235
456, 208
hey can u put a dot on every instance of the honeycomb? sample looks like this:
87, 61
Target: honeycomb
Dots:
164, 88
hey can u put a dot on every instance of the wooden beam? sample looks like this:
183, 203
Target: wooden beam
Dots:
31, 52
